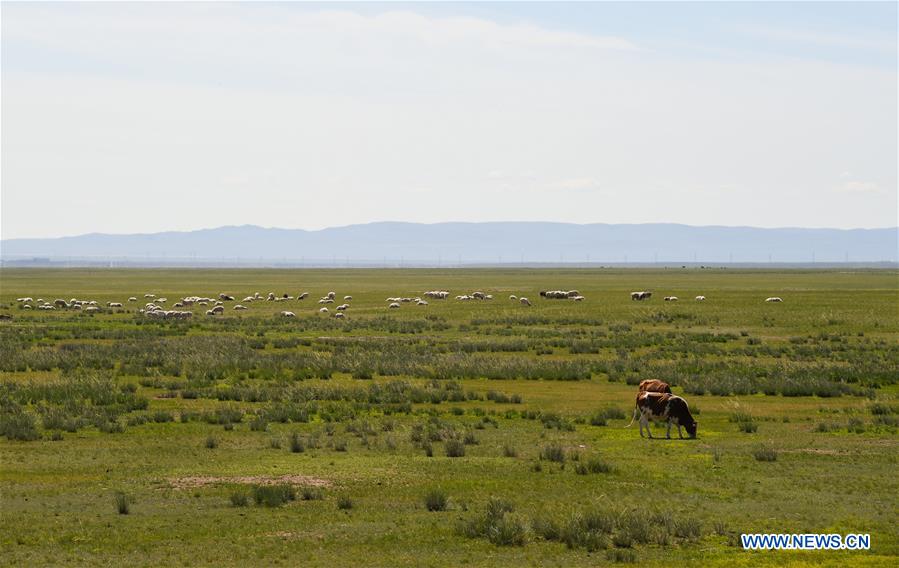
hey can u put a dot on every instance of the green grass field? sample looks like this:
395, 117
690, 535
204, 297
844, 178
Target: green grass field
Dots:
185, 425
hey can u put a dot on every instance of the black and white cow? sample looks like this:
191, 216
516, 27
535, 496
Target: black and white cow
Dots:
664, 407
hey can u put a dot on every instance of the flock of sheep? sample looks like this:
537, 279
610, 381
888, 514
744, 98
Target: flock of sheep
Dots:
155, 308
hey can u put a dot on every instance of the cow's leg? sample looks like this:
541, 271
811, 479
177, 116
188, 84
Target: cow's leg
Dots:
641, 426
668, 432
646, 421
679, 433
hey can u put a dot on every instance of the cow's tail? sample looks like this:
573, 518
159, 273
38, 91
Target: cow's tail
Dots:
634, 417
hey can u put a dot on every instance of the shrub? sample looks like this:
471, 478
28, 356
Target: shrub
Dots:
239, 499
546, 528
429, 449
297, 444
18, 425
344, 503
589, 530
275, 442
310, 493
509, 451
273, 495
259, 424
509, 530
161, 416
340, 445
598, 420
111, 427
498, 524
470, 439
688, 528
436, 500
553, 452
454, 448
748, 427
211, 442
765, 454
122, 503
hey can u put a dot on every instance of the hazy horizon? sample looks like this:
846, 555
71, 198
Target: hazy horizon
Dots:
143, 118
393, 221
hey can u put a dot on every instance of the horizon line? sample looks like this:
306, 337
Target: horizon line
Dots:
274, 228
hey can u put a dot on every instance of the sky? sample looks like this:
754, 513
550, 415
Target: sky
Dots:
146, 117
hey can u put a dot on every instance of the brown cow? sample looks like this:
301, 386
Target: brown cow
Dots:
664, 407
654, 385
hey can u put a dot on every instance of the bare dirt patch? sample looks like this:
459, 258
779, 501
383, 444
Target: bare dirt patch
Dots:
191, 482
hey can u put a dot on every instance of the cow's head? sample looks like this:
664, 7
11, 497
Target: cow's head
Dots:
690, 426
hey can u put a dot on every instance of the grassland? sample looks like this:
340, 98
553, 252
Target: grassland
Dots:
254, 439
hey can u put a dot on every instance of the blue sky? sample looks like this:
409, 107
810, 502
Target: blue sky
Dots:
315, 115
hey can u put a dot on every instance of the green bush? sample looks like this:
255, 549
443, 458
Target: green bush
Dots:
553, 452
454, 448
122, 503
239, 499
436, 500
273, 495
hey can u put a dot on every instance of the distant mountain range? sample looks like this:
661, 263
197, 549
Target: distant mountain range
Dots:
448, 244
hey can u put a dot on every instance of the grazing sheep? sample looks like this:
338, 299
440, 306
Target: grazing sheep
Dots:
149, 295
239, 307
554, 294
670, 298
488, 297
303, 296
524, 301
271, 297
219, 309
226, 297
113, 304
700, 298
323, 310
339, 315
513, 297
132, 299
347, 298
288, 315
578, 298
342, 307
640, 296
421, 303
393, 305
774, 299
210, 312
331, 295
28, 306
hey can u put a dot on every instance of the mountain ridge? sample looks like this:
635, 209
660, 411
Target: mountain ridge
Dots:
479, 242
